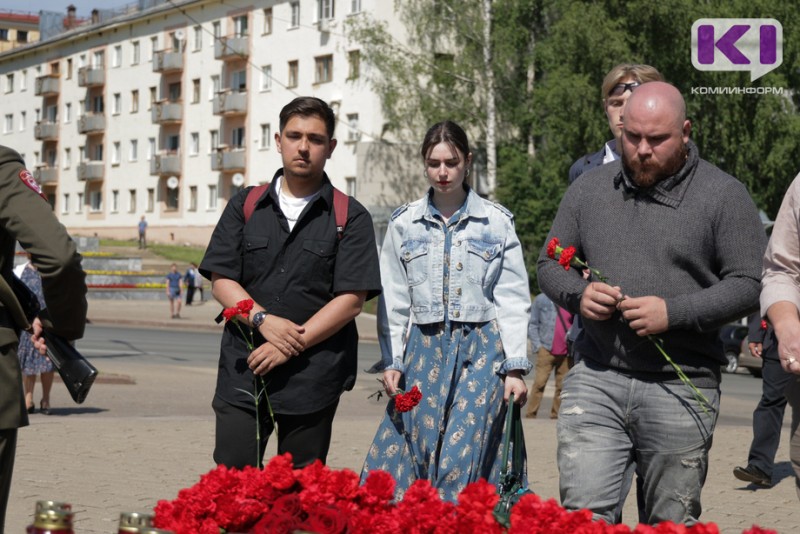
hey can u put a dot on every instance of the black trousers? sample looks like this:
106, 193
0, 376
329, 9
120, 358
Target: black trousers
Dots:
307, 437
768, 415
8, 447
189, 295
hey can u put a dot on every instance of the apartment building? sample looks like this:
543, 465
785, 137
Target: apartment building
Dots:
169, 107
17, 29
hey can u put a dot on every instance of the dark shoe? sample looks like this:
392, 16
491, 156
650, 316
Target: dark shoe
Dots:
44, 407
32, 408
376, 368
754, 475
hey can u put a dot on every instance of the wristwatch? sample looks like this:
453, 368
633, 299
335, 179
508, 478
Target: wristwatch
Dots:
258, 319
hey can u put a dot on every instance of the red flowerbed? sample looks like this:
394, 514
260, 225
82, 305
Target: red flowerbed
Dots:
280, 499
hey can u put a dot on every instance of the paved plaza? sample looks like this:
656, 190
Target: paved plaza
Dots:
147, 430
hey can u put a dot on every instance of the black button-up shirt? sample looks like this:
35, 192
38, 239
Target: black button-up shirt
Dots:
293, 274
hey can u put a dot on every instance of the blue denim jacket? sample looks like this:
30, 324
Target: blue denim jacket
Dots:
488, 279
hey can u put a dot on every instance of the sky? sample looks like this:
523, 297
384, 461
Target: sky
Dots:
84, 7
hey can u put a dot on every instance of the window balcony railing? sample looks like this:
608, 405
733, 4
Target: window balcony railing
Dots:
91, 171
231, 48
226, 159
45, 174
167, 61
230, 103
166, 163
91, 76
45, 131
166, 112
47, 85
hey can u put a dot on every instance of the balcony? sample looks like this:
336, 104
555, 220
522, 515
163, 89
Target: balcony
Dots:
166, 164
228, 160
91, 171
92, 123
231, 48
230, 103
166, 112
167, 61
91, 76
46, 174
47, 85
45, 131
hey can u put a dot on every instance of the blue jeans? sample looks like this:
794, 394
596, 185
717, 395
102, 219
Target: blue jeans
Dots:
609, 421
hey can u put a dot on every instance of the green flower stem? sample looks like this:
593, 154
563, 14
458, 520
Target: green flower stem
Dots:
698, 395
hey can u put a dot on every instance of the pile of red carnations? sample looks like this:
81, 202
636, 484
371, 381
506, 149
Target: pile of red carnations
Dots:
280, 499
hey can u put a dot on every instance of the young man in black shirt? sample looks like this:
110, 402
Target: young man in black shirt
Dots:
309, 282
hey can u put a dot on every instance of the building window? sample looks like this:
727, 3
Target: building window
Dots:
22, 36
135, 101
116, 104
193, 198
324, 69
292, 79
267, 21
265, 135
8, 123
172, 198
79, 202
69, 68
153, 47
239, 81
177, 40
351, 185
23, 80
195, 90
217, 30
240, 26
174, 92
135, 53
114, 201
67, 158
214, 140
266, 77
153, 97
133, 154
115, 153
151, 147
237, 137
355, 6
116, 56
131, 200
10, 83
215, 87
65, 203
295, 16
95, 201
98, 59
197, 42
354, 63
212, 197
151, 199
194, 144
22, 120
4, 34
324, 9
67, 112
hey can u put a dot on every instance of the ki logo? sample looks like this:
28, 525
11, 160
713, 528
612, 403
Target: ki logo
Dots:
754, 45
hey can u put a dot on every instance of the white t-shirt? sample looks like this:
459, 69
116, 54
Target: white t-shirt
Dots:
290, 206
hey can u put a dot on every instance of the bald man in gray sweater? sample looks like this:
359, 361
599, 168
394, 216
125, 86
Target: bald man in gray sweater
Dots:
680, 243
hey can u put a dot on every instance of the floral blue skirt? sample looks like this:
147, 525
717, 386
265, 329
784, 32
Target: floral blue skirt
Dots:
453, 437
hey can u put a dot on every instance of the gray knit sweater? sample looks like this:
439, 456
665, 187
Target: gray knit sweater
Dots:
694, 239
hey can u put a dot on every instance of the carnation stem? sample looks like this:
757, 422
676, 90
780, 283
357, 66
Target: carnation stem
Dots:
698, 395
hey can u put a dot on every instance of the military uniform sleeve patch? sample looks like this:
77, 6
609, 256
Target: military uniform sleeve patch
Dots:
28, 179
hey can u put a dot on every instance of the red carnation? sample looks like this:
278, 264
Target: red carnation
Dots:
566, 257
244, 306
763, 324
405, 402
230, 313
551, 248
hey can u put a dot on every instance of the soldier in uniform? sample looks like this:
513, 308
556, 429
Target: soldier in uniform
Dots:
27, 217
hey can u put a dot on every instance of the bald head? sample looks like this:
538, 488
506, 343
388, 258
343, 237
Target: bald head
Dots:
657, 99
655, 133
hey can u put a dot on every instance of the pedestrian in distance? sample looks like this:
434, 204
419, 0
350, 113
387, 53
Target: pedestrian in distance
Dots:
305, 254
189, 281
547, 333
142, 233
28, 220
680, 244
173, 282
456, 298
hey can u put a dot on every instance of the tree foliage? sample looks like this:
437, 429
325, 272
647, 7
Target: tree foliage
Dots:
550, 57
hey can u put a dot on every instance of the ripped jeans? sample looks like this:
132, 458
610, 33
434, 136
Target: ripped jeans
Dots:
609, 421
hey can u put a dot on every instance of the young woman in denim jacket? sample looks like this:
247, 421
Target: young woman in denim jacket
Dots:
452, 320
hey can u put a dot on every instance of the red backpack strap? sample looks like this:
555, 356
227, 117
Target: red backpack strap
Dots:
252, 198
341, 204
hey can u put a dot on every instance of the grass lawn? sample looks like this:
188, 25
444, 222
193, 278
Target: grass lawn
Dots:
176, 253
